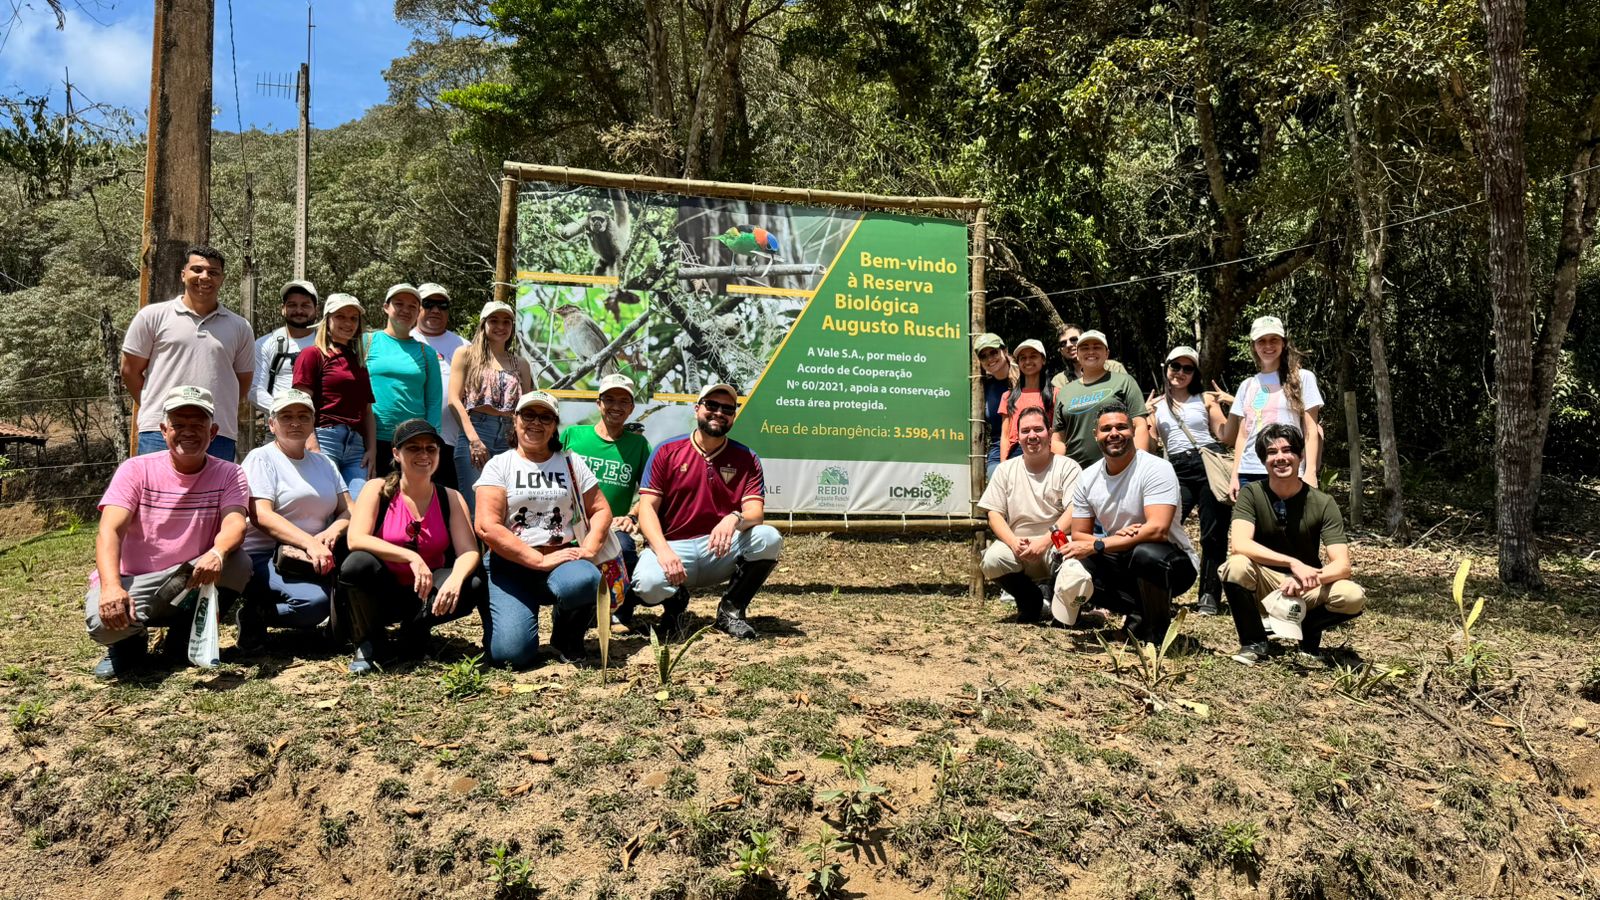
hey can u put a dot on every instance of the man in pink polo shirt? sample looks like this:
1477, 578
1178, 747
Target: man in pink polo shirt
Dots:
169, 522
700, 508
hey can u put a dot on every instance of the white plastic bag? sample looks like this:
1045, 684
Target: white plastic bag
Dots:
204, 649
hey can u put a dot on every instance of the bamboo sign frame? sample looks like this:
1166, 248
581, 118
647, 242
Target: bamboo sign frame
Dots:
515, 173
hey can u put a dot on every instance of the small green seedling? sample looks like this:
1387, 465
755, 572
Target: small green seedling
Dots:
755, 858
826, 878
667, 662
464, 678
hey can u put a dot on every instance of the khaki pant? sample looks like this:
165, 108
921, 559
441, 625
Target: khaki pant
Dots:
1343, 597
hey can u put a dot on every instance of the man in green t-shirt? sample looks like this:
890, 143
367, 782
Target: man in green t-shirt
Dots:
616, 456
1276, 566
1079, 401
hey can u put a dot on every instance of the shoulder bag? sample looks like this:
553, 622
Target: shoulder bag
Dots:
1219, 465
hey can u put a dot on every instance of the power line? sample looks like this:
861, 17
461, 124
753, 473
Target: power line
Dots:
14, 383
1139, 279
10, 470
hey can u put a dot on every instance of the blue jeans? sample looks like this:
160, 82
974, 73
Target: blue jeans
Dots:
511, 615
496, 434
345, 446
762, 542
289, 602
221, 447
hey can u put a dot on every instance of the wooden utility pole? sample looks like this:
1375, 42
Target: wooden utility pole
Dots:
177, 176
302, 199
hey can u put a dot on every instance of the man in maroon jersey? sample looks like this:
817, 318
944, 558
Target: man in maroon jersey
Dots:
700, 509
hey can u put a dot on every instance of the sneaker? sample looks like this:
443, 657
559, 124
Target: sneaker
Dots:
1250, 654
361, 663
1206, 605
1285, 614
252, 628
122, 658
1313, 661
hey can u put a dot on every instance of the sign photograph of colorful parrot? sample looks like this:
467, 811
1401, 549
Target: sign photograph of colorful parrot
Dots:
844, 330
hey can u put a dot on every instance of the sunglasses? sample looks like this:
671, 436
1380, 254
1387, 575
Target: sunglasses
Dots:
414, 533
724, 408
537, 418
436, 304
1182, 367
1068, 342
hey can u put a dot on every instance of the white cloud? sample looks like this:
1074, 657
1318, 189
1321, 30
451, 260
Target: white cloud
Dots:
111, 62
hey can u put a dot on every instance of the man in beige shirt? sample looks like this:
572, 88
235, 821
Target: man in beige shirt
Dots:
1027, 495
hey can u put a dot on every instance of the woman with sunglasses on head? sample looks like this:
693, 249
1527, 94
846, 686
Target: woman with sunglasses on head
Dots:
333, 370
994, 374
545, 521
405, 373
1188, 419
1280, 391
413, 557
486, 379
1030, 379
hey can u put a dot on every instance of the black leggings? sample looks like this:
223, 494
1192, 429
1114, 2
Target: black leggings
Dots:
374, 598
1142, 582
1214, 516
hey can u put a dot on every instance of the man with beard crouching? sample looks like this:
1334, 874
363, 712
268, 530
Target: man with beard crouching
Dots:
1140, 558
1026, 496
700, 509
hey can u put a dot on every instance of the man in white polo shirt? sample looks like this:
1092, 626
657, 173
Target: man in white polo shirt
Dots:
190, 340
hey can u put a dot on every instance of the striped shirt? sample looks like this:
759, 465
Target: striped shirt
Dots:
176, 517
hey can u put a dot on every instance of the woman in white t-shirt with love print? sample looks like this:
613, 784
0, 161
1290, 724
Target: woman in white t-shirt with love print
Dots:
1280, 391
542, 514
1188, 419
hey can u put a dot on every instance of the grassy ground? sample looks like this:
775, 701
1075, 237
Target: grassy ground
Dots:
886, 731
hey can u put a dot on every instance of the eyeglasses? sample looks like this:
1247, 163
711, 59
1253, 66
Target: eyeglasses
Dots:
715, 407
414, 533
1068, 341
1182, 367
537, 418
436, 304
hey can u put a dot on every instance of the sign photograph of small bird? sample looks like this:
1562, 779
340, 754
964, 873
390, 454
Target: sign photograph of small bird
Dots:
584, 337
751, 240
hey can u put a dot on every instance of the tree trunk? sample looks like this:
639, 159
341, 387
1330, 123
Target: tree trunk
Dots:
658, 60
1505, 175
1373, 207
705, 90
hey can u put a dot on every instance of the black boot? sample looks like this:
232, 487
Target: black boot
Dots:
1025, 592
624, 614
567, 628
748, 577
673, 624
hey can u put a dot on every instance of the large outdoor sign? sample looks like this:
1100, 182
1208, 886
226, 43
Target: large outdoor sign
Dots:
845, 332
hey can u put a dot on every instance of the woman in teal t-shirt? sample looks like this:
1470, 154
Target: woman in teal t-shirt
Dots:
404, 372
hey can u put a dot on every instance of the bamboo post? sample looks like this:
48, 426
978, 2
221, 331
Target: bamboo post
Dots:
979, 455
1353, 436
505, 250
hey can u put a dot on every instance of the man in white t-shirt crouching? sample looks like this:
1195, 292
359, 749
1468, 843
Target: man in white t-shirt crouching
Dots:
1025, 497
1139, 558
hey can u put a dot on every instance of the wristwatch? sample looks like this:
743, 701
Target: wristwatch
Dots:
1099, 546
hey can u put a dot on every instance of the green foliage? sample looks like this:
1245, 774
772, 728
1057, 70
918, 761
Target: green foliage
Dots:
667, 662
755, 858
826, 876
464, 678
857, 808
511, 874
29, 719
1361, 682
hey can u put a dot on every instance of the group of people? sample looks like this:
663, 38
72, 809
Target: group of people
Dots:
412, 477
1086, 515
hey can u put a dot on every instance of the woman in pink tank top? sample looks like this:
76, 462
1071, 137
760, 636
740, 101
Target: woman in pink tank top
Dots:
413, 556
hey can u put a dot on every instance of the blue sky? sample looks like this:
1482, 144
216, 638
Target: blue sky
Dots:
106, 44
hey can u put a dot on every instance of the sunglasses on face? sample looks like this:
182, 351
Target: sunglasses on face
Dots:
413, 533
1185, 368
1068, 341
715, 407
537, 418
436, 304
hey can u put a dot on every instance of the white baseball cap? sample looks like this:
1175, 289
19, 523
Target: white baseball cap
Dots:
336, 302
1029, 344
988, 340
430, 289
614, 382
1285, 614
292, 397
1094, 336
1181, 351
495, 306
539, 398
1264, 326
710, 389
188, 395
300, 285
401, 288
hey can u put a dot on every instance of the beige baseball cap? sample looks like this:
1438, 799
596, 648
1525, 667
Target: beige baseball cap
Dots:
292, 397
1181, 351
1095, 336
188, 395
710, 389
495, 306
430, 289
541, 399
401, 288
336, 302
616, 381
1030, 344
987, 341
1264, 326
300, 285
